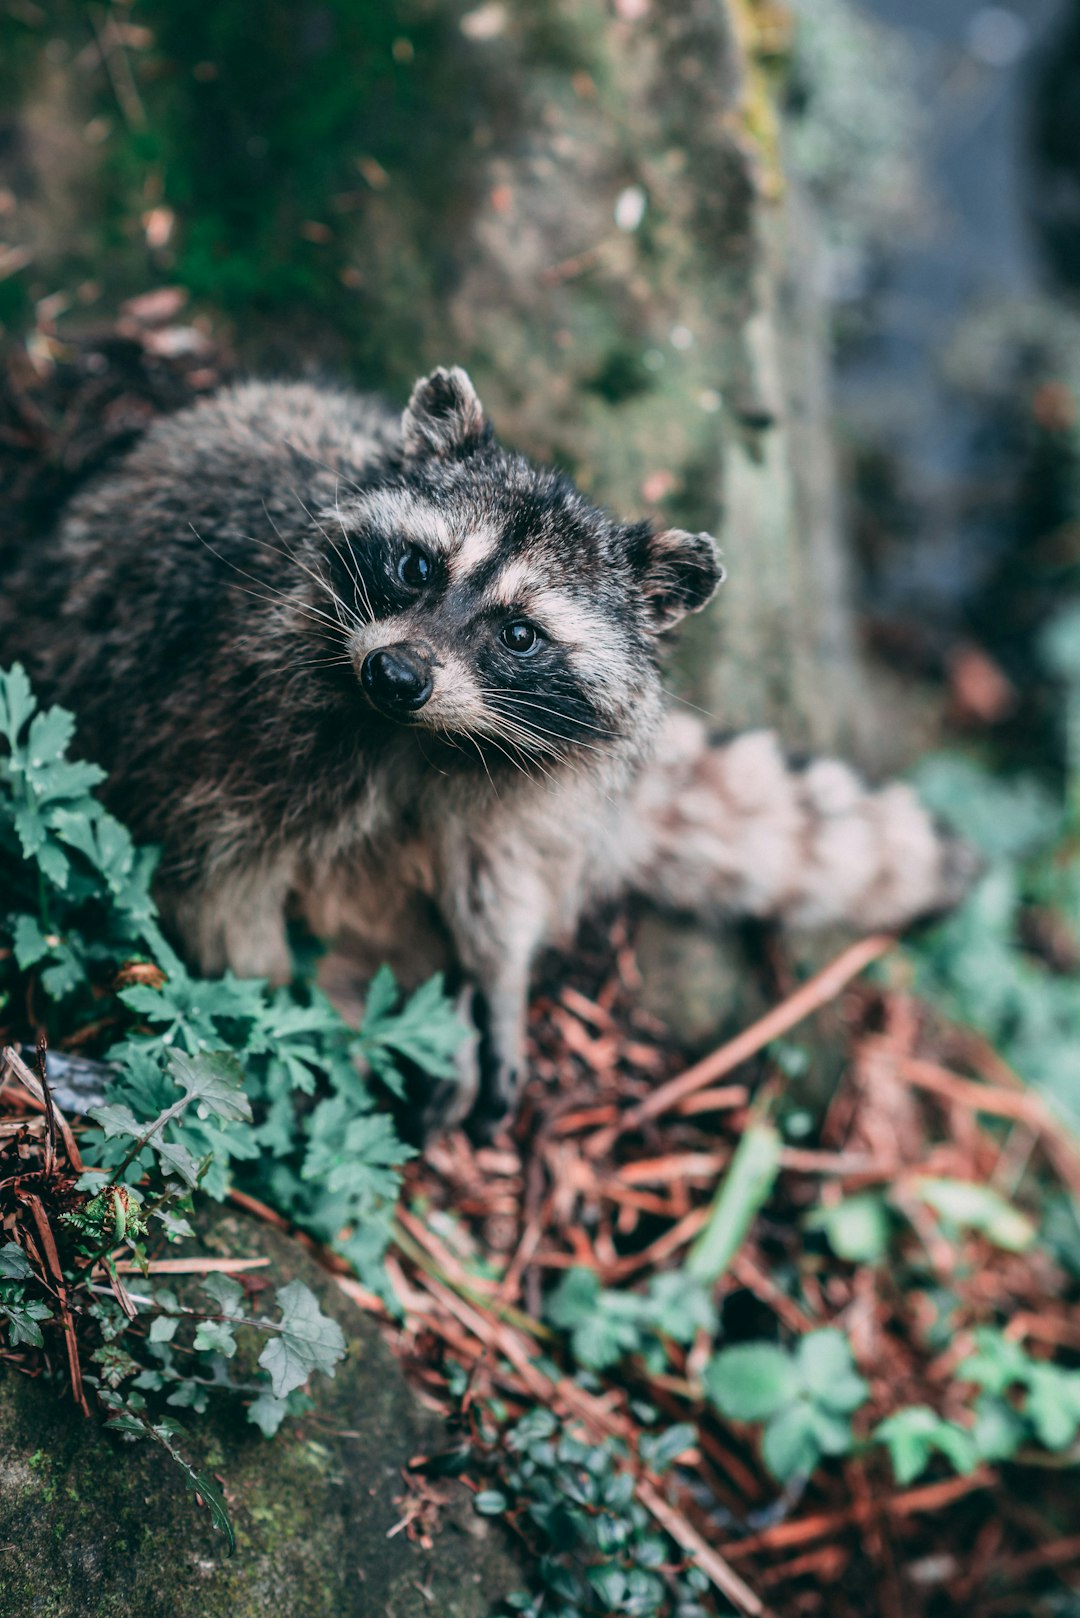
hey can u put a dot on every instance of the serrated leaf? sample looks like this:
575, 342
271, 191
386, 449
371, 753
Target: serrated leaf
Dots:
751, 1381
114, 1118
175, 1158
216, 1078
306, 1340
827, 1372
17, 701
789, 1445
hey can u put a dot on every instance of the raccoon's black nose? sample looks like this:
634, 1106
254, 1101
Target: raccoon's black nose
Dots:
396, 679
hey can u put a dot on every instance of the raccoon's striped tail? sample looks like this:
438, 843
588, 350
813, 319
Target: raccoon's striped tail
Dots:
728, 828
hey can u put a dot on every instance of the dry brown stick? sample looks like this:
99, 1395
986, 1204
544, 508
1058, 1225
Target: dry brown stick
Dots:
685, 1535
604, 1425
1021, 1105
12, 1066
67, 1325
930, 1497
823, 987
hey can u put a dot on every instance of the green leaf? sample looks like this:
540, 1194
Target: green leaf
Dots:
1053, 1405
997, 1363
268, 1413
827, 1372
216, 1079
660, 1450
490, 1503
22, 1319
205, 1489
998, 1431
743, 1193
307, 1341
226, 1293
914, 1433
17, 701
789, 1445
215, 1336
175, 1158
14, 1264
117, 1119
751, 1381
857, 1228
978, 1207
29, 942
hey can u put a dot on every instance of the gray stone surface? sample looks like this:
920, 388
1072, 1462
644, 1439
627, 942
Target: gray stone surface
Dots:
94, 1527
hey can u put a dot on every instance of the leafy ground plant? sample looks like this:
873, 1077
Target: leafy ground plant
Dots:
209, 1084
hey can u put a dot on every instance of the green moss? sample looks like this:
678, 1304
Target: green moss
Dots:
91, 1527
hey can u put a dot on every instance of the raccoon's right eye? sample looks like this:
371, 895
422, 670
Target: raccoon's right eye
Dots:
414, 567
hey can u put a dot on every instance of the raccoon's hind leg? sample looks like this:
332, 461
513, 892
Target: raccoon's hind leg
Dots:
732, 828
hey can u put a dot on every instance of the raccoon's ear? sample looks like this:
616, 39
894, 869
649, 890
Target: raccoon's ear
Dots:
443, 415
679, 573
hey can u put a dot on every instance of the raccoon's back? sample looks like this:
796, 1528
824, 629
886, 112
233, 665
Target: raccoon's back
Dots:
122, 567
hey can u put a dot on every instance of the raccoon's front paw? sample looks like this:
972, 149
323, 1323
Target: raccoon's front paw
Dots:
451, 1101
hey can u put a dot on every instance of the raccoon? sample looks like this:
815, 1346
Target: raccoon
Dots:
383, 671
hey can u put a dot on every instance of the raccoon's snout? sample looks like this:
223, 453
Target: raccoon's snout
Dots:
397, 679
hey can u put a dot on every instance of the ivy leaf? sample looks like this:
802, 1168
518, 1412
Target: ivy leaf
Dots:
268, 1412
306, 1341
226, 1293
14, 1264
23, 1321
215, 1336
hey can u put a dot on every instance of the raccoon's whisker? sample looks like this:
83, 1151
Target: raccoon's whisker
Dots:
707, 713
312, 518
516, 762
338, 604
275, 596
530, 727
324, 662
523, 699
530, 741
480, 755
316, 578
354, 573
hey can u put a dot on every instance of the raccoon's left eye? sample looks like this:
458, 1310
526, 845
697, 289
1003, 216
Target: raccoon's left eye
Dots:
520, 637
414, 567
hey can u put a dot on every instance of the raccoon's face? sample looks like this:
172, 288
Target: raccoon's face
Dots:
493, 604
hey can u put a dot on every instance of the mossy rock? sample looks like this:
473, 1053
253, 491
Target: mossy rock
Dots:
94, 1527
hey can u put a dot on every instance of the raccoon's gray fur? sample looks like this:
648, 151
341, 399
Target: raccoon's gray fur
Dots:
387, 672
